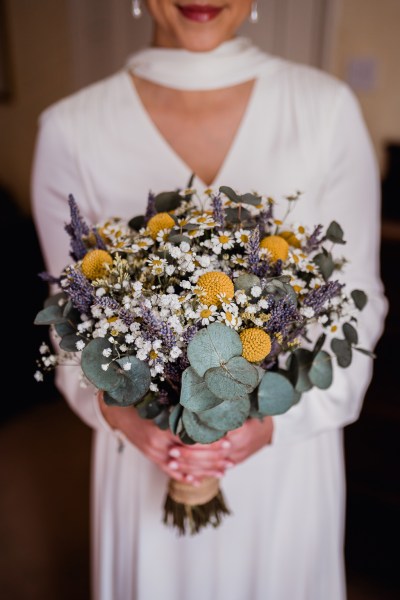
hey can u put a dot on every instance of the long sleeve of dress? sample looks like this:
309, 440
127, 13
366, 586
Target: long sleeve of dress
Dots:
56, 173
352, 198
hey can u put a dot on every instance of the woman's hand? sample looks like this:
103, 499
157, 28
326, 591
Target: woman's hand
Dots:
213, 459
179, 461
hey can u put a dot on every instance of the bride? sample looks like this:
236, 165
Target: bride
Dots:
202, 100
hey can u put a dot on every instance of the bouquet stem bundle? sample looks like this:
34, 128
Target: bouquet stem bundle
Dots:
189, 508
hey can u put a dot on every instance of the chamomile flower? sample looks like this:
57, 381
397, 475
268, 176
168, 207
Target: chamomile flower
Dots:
207, 314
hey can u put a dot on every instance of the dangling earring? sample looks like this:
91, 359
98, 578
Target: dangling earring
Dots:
136, 9
254, 12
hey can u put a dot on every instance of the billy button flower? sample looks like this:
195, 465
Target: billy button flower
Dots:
291, 239
94, 264
277, 247
159, 222
211, 285
256, 344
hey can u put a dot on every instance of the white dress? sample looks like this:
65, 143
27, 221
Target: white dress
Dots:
302, 130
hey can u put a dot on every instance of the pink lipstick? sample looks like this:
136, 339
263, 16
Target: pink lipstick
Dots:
201, 13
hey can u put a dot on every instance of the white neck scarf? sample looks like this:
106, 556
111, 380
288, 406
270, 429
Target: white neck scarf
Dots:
232, 63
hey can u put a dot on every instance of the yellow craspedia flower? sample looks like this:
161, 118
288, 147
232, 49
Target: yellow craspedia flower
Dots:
213, 284
256, 344
93, 264
277, 246
290, 238
160, 221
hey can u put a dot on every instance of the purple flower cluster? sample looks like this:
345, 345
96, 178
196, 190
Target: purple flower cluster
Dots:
317, 299
283, 315
157, 328
107, 302
314, 241
218, 213
76, 229
80, 291
99, 240
151, 207
253, 250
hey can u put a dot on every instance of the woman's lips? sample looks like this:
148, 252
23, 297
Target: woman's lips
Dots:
201, 13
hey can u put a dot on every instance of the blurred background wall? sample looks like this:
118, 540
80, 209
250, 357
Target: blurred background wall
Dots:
52, 48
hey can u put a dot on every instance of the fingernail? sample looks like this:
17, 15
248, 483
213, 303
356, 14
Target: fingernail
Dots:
219, 475
174, 452
229, 464
174, 465
226, 444
189, 478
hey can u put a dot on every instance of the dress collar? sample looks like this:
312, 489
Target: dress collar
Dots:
232, 63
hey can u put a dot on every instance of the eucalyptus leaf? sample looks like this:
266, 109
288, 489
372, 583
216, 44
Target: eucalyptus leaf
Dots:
334, 233
50, 315
321, 372
325, 264
136, 223
246, 281
228, 415
275, 394
230, 193
212, 347
60, 297
300, 364
125, 386
319, 343
149, 408
175, 419
178, 238
350, 333
342, 350
166, 201
237, 215
195, 394
364, 351
232, 381
68, 342
250, 199
162, 420
360, 298
199, 431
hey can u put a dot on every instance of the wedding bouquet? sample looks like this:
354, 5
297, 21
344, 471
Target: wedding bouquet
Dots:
202, 313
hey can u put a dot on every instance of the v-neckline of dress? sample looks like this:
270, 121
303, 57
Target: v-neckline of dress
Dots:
175, 156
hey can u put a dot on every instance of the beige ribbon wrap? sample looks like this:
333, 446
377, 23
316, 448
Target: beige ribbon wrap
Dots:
185, 493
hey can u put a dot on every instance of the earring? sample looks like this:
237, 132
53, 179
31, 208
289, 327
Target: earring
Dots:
254, 12
136, 9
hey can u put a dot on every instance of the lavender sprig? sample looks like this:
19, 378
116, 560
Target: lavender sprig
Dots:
316, 299
158, 328
80, 291
218, 212
76, 229
314, 241
151, 207
282, 316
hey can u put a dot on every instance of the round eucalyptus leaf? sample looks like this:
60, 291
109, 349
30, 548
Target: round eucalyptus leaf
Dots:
175, 419
149, 408
321, 372
324, 262
162, 420
350, 333
212, 347
56, 299
237, 214
199, 431
64, 328
50, 315
342, 350
178, 238
246, 282
360, 298
275, 394
230, 193
195, 394
229, 415
300, 364
136, 223
166, 201
232, 381
334, 233
250, 199
68, 342
125, 386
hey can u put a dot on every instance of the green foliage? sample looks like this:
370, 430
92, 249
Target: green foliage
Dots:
325, 263
213, 347
321, 372
125, 387
238, 198
136, 223
166, 201
342, 351
232, 381
334, 233
246, 281
199, 431
228, 415
275, 394
195, 394
359, 298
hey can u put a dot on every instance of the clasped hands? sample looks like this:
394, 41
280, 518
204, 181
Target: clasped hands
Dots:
190, 463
